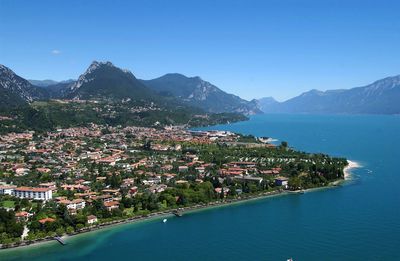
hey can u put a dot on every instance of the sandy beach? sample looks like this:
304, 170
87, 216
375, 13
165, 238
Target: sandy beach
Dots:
348, 168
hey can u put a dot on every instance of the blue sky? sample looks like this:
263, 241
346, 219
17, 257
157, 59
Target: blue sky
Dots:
250, 48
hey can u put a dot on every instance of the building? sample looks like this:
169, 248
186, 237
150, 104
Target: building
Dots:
7, 190
22, 216
46, 220
33, 193
281, 181
75, 204
91, 219
257, 180
183, 168
111, 205
49, 185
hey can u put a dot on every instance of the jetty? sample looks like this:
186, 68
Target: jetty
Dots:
178, 213
60, 240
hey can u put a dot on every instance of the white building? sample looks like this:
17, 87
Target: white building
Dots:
75, 204
33, 193
7, 190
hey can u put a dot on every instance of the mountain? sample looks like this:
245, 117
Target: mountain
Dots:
42, 83
49, 83
199, 93
266, 102
380, 97
15, 90
104, 80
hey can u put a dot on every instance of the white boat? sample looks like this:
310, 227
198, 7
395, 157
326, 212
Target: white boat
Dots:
164, 220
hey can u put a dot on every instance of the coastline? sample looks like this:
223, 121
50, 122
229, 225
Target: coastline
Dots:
347, 170
149, 217
168, 213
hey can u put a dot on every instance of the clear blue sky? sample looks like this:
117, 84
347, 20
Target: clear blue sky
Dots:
250, 48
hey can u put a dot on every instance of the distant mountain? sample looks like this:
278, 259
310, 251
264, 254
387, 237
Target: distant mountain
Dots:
42, 83
380, 97
105, 81
14, 90
266, 102
199, 93
47, 83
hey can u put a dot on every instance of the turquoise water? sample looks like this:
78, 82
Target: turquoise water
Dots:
357, 221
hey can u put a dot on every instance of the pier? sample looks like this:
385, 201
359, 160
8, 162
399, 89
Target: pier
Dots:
60, 240
177, 213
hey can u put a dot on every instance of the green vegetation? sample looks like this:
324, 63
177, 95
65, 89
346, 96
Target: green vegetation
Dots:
47, 115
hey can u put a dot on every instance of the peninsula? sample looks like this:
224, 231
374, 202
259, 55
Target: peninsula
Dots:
77, 179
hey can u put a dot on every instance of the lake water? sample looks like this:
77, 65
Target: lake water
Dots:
357, 221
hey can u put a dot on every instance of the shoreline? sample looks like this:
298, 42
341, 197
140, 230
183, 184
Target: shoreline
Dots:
149, 217
169, 213
347, 170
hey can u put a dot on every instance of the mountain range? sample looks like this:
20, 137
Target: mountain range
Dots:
103, 80
202, 94
379, 97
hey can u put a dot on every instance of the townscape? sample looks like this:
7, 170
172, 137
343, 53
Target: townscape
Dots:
70, 180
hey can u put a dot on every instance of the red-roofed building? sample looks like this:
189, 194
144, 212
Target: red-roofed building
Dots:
111, 205
45, 220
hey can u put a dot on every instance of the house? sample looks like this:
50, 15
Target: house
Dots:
113, 192
91, 219
22, 216
75, 204
43, 170
220, 190
21, 171
127, 183
78, 187
157, 188
133, 191
111, 205
183, 168
104, 198
33, 193
200, 169
282, 181
45, 220
169, 176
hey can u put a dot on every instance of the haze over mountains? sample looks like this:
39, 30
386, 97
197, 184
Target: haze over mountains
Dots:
380, 97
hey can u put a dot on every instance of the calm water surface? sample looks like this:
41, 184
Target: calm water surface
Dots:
357, 221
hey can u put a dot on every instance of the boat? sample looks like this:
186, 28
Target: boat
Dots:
164, 220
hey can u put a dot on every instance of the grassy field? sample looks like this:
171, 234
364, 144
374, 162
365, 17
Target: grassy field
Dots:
7, 204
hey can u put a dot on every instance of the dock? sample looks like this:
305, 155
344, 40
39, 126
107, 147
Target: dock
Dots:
177, 213
60, 240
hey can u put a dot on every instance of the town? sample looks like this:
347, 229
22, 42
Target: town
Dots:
72, 180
